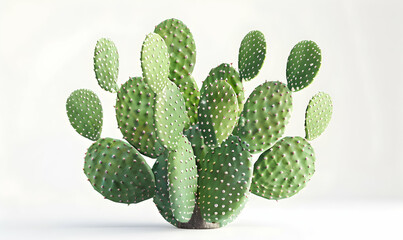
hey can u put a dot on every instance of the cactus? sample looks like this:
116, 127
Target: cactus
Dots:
202, 140
218, 112
303, 64
109, 166
318, 115
106, 64
84, 110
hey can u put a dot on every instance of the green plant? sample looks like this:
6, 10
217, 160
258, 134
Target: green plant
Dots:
203, 141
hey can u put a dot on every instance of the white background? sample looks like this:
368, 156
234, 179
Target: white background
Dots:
46, 51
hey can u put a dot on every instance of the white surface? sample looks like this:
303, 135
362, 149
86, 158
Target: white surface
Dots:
46, 50
331, 220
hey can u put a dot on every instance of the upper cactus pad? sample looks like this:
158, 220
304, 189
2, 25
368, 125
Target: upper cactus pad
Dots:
303, 64
227, 73
251, 55
284, 169
135, 116
181, 48
170, 116
117, 171
218, 112
318, 115
106, 64
155, 62
265, 115
191, 94
84, 110
224, 180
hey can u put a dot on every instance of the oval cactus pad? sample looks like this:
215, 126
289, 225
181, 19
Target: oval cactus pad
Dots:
155, 62
182, 180
188, 87
84, 110
318, 115
106, 64
135, 116
251, 55
284, 169
181, 48
303, 64
265, 115
224, 180
227, 73
218, 112
161, 197
117, 171
170, 116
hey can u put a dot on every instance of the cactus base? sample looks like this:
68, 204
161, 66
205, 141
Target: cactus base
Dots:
197, 222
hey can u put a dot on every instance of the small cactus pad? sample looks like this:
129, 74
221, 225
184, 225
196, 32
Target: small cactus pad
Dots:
135, 116
251, 55
181, 47
284, 169
227, 73
117, 171
318, 115
106, 64
161, 197
84, 110
155, 62
303, 64
218, 112
195, 137
182, 180
224, 180
170, 116
191, 94
265, 115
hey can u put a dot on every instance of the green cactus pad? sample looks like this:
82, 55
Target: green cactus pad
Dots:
161, 197
84, 110
182, 180
155, 62
303, 64
170, 116
181, 48
265, 115
195, 137
318, 115
135, 116
227, 73
224, 180
284, 169
106, 64
191, 94
117, 171
251, 55
218, 112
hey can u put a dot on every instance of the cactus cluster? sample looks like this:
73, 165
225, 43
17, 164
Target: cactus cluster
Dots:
202, 141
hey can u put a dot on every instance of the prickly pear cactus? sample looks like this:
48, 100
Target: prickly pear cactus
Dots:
84, 110
284, 169
117, 171
303, 64
201, 141
106, 64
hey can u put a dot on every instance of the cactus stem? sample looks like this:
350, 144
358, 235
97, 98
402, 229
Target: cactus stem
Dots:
197, 222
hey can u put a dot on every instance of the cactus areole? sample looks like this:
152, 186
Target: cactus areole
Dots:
201, 141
